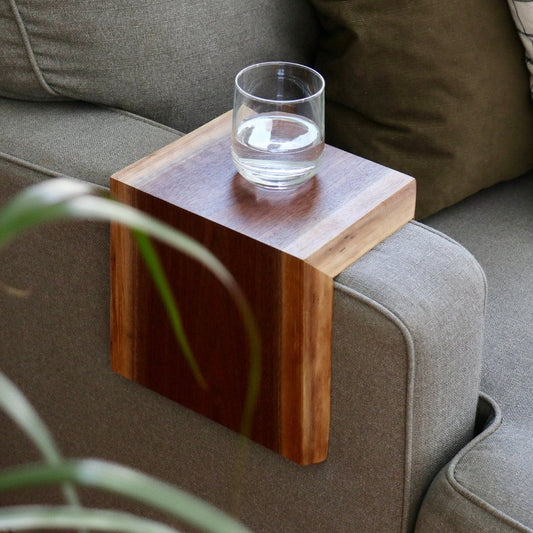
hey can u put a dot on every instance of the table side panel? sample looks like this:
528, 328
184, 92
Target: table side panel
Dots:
210, 319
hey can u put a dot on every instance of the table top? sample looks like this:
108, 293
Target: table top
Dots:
313, 222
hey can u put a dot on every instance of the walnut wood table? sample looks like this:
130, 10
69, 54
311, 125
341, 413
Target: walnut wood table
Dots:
284, 248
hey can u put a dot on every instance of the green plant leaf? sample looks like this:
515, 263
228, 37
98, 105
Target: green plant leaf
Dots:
128, 483
13, 291
24, 518
20, 410
38, 204
158, 276
65, 198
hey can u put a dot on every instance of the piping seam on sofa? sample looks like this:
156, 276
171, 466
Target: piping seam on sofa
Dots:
29, 50
467, 253
32, 166
456, 485
139, 118
409, 387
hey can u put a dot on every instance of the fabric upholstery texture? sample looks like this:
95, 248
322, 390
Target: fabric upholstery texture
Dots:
438, 369
74, 139
386, 443
489, 487
438, 90
166, 60
419, 338
522, 11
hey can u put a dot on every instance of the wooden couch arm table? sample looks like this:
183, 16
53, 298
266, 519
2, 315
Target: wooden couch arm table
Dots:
284, 248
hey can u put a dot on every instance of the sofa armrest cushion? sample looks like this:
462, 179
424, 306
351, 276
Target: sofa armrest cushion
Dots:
407, 350
408, 325
438, 90
84, 141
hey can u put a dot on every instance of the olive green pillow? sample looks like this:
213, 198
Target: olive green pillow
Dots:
436, 89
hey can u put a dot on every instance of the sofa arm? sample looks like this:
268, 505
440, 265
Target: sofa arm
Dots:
408, 322
408, 330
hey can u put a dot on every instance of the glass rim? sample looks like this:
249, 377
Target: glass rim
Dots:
254, 66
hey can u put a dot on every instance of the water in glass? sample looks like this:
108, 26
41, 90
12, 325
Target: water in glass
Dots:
277, 149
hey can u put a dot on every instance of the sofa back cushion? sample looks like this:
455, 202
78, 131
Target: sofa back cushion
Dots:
438, 90
172, 61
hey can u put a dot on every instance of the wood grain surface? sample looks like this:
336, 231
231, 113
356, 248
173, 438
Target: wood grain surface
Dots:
284, 248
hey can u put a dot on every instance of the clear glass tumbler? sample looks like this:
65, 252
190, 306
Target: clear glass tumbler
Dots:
278, 123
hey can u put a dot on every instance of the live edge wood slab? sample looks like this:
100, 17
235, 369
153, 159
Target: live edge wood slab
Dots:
284, 249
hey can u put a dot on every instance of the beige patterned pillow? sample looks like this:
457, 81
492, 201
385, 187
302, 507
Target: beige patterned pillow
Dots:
522, 11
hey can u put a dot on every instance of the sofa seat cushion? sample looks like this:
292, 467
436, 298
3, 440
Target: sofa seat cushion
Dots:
489, 486
41, 140
438, 90
171, 61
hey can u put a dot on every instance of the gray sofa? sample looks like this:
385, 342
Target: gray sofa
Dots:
432, 377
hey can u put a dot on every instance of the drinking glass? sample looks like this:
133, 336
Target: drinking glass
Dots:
278, 123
